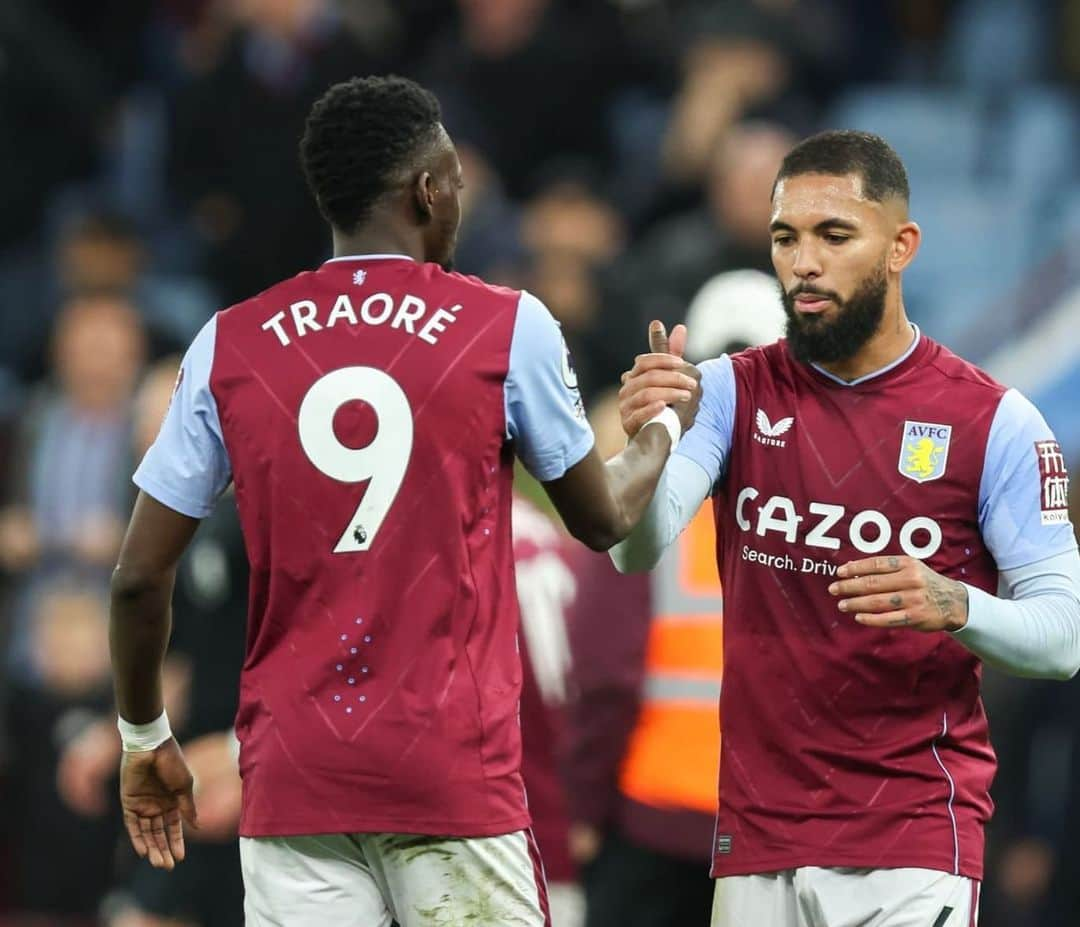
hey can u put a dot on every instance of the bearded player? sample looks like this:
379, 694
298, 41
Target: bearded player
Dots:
368, 413
871, 489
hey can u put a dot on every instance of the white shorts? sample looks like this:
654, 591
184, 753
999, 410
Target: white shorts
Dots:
566, 901
369, 880
815, 897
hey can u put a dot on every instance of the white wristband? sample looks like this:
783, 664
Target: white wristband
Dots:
139, 738
670, 420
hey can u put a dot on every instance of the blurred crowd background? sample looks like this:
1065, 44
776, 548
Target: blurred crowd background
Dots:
618, 157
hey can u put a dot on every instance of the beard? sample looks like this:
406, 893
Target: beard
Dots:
815, 339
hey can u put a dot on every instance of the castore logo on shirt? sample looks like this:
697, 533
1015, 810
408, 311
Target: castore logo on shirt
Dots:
769, 434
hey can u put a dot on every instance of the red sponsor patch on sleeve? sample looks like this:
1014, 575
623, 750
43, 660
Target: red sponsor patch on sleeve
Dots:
1053, 483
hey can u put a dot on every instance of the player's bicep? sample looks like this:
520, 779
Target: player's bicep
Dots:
708, 442
545, 418
1023, 495
187, 467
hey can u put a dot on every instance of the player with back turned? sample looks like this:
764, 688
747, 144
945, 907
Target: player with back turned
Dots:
368, 413
870, 490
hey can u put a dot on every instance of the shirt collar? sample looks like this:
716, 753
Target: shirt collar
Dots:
877, 373
370, 257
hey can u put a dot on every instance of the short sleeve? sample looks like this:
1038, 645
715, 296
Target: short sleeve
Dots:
545, 418
708, 442
1023, 495
187, 467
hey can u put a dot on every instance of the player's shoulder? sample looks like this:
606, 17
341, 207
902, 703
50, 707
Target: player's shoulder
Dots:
765, 359
963, 372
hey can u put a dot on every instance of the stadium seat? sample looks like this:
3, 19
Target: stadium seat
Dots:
996, 44
1036, 142
1069, 228
975, 249
936, 132
1057, 401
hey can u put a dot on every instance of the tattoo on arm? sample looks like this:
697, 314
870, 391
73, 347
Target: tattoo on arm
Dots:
949, 598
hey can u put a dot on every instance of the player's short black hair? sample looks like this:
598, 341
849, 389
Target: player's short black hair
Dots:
846, 151
359, 136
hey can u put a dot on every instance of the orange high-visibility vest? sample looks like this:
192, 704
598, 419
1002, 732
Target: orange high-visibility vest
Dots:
674, 750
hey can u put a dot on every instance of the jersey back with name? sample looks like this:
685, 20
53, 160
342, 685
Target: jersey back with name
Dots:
846, 745
362, 409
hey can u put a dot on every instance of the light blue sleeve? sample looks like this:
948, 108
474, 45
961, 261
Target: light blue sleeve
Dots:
708, 442
1022, 514
1036, 631
545, 418
187, 467
682, 489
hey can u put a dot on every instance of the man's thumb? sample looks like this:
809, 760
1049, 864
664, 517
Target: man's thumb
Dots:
677, 343
658, 342
187, 808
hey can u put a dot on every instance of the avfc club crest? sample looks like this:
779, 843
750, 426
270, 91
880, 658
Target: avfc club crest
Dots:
924, 451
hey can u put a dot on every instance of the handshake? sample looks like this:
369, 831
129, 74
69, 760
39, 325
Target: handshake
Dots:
660, 379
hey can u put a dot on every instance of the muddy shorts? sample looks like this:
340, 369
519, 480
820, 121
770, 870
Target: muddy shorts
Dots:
373, 880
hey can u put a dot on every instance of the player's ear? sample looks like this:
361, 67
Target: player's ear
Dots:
905, 246
424, 193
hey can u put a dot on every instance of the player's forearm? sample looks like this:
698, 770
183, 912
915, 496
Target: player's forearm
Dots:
633, 477
643, 547
600, 502
139, 627
1037, 632
683, 487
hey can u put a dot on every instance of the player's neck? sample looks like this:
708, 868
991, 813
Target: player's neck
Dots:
383, 240
887, 345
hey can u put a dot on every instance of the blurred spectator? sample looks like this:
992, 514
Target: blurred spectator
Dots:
571, 234
723, 80
530, 81
102, 251
62, 65
546, 588
62, 862
97, 251
658, 277
489, 243
234, 163
69, 492
763, 59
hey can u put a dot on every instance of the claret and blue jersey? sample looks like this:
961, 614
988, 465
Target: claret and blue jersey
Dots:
845, 745
368, 413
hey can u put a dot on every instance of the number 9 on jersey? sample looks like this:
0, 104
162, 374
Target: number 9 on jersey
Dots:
383, 462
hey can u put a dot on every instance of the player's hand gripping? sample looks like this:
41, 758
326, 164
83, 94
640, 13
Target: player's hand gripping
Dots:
155, 793
658, 379
900, 592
